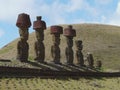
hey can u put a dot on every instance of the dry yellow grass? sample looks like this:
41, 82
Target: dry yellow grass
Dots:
60, 84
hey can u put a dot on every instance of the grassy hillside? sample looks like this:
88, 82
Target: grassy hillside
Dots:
59, 84
103, 41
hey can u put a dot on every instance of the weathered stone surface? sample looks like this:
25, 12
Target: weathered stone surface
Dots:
69, 51
79, 54
39, 26
39, 51
69, 33
22, 50
23, 23
55, 50
24, 34
90, 60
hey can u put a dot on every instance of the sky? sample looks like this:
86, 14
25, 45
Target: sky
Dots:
56, 12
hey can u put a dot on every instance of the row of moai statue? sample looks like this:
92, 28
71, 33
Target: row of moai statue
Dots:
23, 23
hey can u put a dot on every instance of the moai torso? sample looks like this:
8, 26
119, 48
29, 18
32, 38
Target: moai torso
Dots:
55, 50
22, 51
90, 60
69, 55
55, 53
79, 54
69, 51
39, 51
69, 33
39, 47
39, 26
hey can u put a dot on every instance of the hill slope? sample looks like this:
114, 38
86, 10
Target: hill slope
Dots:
101, 40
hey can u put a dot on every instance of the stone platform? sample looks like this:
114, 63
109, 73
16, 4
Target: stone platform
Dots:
49, 69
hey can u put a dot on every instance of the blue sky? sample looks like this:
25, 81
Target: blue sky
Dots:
56, 12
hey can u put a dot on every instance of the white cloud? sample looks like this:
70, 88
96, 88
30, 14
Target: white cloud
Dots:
118, 9
55, 13
103, 2
11, 8
75, 5
115, 18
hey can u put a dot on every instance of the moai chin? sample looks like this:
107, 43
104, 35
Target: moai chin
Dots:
90, 60
69, 33
23, 23
39, 26
79, 54
55, 50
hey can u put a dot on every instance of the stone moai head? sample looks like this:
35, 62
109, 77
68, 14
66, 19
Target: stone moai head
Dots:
39, 26
56, 31
69, 33
79, 44
24, 34
23, 23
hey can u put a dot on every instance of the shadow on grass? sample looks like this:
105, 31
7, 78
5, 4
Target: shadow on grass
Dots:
57, 66
63, 78
38, 65
5, 60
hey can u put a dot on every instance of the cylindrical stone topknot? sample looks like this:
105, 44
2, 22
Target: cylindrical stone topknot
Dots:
69, 31
56, 29
39, 24
23, 21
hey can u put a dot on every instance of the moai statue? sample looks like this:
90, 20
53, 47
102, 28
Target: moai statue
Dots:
23, 23
90, 60
55, 50
39, 26
69, 33
79, 54
98, 64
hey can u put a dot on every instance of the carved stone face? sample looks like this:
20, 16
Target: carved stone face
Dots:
79, 44
56, 40
39, 35
70, 42
24, 34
